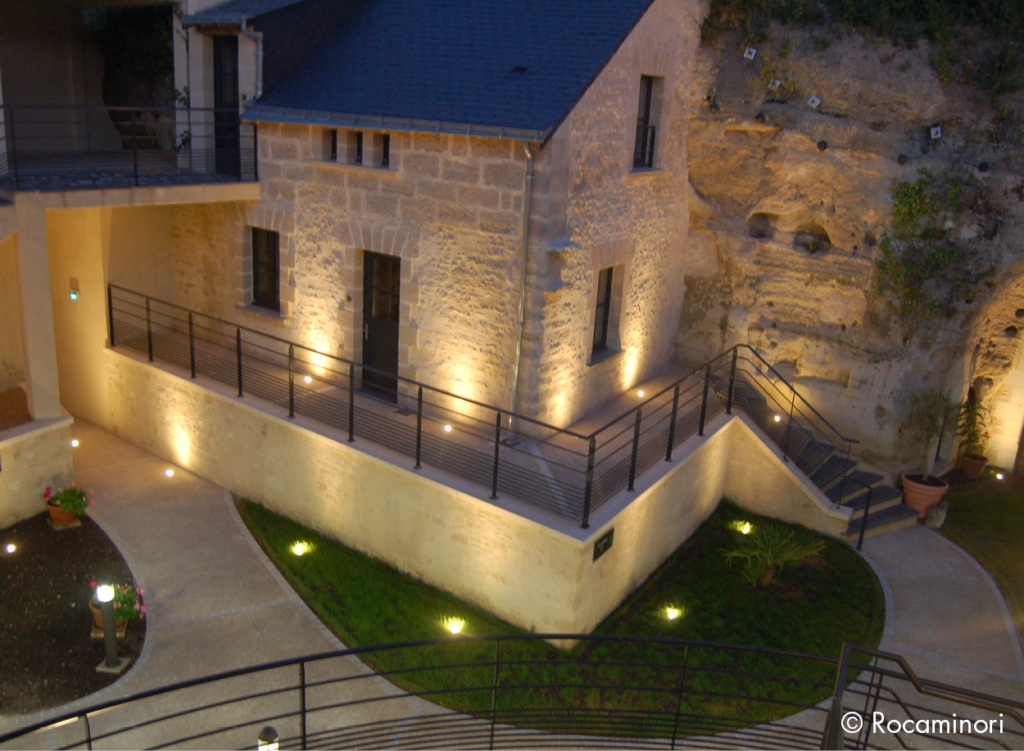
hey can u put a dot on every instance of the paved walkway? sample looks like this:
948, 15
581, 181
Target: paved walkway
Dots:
216, 602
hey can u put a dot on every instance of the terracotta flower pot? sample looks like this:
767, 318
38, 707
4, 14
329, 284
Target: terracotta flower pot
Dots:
97, 620
920, 496
974, 467
59, 516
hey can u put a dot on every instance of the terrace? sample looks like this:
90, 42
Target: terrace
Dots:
57, 148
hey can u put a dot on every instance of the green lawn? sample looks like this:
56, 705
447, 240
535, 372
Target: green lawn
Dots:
986, 518
813, 608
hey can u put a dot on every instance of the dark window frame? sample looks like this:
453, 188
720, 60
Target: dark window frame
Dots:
643, 149
385, 150
603, 309
266, 269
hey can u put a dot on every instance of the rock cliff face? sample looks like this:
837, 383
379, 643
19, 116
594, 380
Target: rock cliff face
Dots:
789, 204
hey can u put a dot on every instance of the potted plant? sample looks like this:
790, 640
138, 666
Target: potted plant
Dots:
67, 504
930, 413
128, 606
971, 429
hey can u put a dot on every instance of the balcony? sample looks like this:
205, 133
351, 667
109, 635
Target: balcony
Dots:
58, 148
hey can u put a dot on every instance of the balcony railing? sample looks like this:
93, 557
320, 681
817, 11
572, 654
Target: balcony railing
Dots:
503, 692
562, 471
89, 147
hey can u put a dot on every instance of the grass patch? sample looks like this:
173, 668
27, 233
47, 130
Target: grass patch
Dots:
812, 607
986, 518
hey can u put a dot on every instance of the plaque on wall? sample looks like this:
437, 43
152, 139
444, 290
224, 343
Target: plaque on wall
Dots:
603, 543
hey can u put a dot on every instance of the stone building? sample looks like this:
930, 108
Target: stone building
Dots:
476, 210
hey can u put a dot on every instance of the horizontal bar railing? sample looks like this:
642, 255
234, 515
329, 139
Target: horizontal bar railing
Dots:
66, 147
512, 691
561, 470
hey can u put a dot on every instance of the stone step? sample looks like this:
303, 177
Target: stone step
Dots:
882, 497
813, 457
887, 520
852, 487
831, 472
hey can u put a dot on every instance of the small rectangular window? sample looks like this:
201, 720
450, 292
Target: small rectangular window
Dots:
266, 288
358, 158
385, 150
643, 151
334, 145
604, 308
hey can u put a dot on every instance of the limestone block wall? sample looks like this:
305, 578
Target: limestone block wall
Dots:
587, 192
533, 574
449, 206
33, 457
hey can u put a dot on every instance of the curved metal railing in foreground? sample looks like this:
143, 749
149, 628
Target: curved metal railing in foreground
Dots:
515, 691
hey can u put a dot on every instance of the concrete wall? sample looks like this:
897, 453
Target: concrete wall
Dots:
12, 353
1007, 419
33, 457
129, 246
533, 574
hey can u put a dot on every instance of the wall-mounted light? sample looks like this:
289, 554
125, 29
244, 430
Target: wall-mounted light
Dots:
169, 472
73, 291
74, 443
447, 428
640, 393
307, 379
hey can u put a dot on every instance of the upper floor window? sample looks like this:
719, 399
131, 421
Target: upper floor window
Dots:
647, 122
266, 288
357, 147
604, 310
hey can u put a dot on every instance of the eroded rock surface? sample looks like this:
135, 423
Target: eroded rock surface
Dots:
788, 206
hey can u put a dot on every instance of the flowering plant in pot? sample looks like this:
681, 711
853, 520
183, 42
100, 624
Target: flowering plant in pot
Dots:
66, 504
128, 606
971, 429
929, 414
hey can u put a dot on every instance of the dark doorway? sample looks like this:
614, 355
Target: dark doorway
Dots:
380, 322
227, 140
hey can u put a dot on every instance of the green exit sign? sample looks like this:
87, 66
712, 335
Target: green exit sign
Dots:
74, 295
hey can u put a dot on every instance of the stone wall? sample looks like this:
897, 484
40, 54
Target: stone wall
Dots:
533, 574
33, 457
588, 194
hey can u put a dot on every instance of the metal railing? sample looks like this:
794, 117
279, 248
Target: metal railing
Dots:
62, 148
562, 471
512, 691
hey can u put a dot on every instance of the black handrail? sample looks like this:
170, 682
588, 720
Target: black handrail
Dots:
505, 727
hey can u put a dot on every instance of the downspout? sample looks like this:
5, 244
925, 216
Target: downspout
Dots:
527, 195
256, 36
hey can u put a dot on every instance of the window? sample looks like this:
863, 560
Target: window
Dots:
604, 310
355, 146
334, 146
266, 289
385, 150
643, 151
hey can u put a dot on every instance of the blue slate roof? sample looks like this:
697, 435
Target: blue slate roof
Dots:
236, 11
465, 65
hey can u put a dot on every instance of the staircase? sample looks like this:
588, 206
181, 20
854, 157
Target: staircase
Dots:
841, 479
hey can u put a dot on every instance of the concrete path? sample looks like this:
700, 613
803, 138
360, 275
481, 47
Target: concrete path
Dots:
216, 602
945, 613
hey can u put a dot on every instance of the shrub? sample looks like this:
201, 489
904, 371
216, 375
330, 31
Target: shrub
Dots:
971, 427
929, 414
769, 548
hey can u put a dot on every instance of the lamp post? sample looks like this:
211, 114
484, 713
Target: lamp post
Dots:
267, 739
113, 663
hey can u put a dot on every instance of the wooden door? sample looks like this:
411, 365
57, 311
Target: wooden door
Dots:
381, 297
